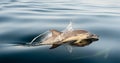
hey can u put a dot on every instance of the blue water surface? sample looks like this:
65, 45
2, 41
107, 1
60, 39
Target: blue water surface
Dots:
22, 20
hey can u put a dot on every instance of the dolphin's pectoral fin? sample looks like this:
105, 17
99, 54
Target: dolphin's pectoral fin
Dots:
55, 45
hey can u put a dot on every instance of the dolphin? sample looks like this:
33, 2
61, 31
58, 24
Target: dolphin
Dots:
69, 37
78, 38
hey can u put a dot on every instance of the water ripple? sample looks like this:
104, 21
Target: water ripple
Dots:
22, 20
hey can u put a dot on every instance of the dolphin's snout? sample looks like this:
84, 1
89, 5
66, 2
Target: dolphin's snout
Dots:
95, 37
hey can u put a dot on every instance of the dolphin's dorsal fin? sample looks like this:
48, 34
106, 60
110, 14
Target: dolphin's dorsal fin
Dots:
55, 32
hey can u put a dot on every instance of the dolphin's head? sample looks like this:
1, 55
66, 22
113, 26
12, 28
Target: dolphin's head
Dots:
88, 39
93, 37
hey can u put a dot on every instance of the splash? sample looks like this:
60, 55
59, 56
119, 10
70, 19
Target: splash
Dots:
42, 37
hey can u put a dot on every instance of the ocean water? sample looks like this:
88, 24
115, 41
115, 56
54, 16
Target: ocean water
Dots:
22, 20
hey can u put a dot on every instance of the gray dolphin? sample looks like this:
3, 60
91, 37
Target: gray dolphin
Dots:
79, 38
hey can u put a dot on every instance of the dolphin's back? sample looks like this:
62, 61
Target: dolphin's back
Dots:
74, 33
79, 31
63, 36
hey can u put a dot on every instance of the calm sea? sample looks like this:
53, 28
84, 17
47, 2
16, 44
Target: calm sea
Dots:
22, 20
